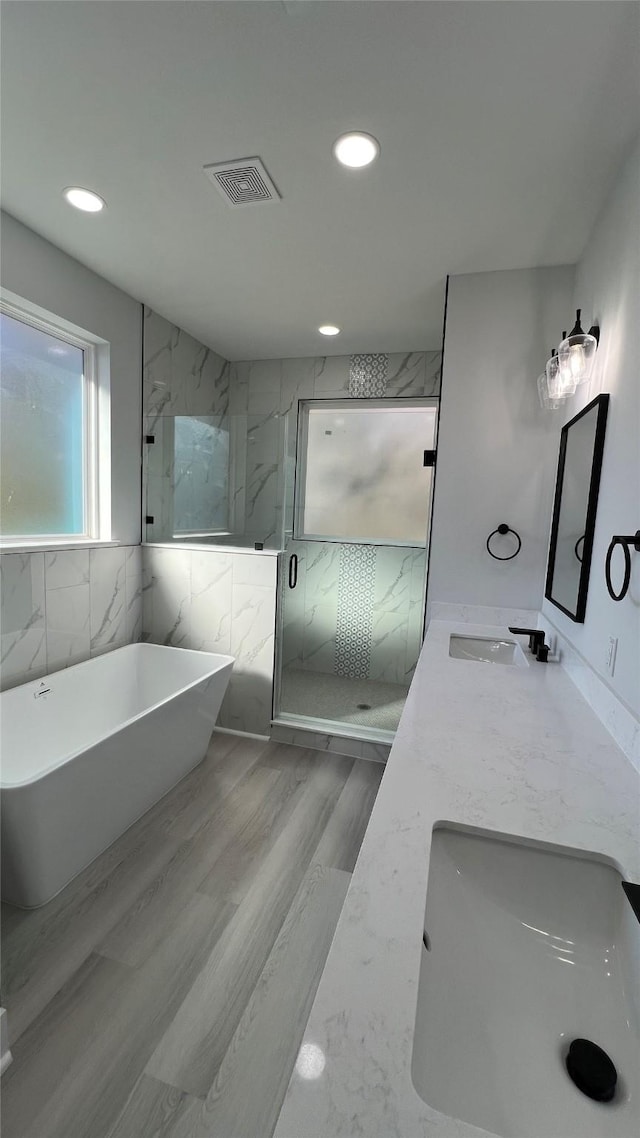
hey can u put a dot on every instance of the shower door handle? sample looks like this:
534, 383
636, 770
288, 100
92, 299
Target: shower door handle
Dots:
293, 570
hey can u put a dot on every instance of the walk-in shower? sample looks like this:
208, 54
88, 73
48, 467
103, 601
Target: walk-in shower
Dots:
352, 575
327, 464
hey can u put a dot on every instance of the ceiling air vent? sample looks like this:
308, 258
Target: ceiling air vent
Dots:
242, 182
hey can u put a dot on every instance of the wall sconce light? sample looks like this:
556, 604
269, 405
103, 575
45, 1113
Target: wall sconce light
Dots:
576, 354
559, 385
546, 402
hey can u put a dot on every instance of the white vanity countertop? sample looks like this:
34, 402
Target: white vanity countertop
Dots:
511, 749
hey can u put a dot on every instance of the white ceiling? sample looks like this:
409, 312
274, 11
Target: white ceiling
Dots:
501, 127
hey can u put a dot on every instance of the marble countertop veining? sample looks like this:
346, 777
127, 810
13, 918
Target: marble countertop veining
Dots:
511, 749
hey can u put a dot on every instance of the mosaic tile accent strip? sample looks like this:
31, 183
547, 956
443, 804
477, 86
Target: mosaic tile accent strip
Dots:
368, 376
356, 584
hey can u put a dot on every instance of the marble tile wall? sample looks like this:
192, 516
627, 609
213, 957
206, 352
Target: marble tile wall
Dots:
214, 601
60, 607
267, 393
257, 400
180, 377
197, 599
312, 611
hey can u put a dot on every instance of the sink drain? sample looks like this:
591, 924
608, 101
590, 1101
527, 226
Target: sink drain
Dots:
364, 707
591, 1070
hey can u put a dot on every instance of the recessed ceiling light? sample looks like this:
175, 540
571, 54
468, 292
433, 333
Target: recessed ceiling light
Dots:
356, 150
84, 199
328, 330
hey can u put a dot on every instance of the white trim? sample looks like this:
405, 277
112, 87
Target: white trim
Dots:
48, 322
44, 546
96, 426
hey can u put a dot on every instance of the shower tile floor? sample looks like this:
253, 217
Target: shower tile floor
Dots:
321, 695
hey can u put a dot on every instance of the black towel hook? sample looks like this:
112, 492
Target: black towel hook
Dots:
626, 543
503, 529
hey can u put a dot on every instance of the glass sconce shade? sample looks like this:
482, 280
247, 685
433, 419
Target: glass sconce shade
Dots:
559, 386
546, 402
577, 353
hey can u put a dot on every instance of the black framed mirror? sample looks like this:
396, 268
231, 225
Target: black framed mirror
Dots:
574, 509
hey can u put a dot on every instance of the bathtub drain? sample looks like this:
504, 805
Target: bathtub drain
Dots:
591, 1069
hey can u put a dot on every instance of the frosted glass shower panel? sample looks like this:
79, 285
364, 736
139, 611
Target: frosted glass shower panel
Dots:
364, 474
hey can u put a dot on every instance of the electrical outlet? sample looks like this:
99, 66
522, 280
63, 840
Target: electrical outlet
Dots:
610, 660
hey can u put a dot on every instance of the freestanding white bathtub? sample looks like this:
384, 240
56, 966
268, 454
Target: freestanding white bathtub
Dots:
86, 751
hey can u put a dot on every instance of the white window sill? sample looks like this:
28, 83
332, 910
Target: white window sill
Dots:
49, 545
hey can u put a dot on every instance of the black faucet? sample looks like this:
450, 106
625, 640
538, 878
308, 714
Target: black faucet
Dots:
633, 893
536, 637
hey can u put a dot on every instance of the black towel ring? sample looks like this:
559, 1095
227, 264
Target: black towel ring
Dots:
575, 548
503, 528
626, 543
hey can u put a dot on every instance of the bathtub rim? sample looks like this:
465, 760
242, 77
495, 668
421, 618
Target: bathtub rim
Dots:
222, 659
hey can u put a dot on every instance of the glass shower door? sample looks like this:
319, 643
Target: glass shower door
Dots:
352, 576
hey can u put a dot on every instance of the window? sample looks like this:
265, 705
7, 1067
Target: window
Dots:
49, 402
362, 472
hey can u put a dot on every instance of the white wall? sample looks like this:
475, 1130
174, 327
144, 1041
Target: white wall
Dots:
42, 274
497, 449
607, 288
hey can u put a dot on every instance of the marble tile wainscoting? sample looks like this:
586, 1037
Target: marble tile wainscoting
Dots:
215, 601
60, 607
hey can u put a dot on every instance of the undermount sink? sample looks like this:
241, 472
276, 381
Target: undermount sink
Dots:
526, 949
486, 649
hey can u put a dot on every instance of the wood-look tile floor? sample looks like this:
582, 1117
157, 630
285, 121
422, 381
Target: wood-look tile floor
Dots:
165, 991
